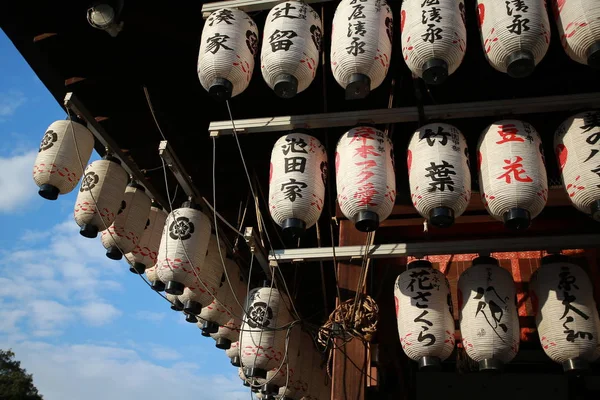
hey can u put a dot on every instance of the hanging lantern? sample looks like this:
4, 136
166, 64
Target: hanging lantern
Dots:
424, 313
290, 49
229, 331
565, 313
123, 235
228, 46
155, 283
262, 347
176, 305
576, 149
144, 254
65, 149
578, 24
201, 289
183, 247
434, 38
366, 183
302, 363
280, 377
100, 195
233, 352
489, 321
512, 175
439, 176
297, 183
361, 45
515, 36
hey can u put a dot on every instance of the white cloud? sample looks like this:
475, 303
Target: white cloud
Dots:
95, 372
10, 102
151, 316
16, 183
97, 314
164, 353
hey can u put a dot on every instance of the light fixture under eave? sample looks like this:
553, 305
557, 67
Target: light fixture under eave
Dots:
105, 16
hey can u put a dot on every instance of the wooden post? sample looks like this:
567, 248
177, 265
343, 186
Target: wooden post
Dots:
349, 361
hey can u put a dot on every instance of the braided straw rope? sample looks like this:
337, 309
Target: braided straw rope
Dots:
420, 45
551, 285
128, 226
103, 186
435, 152
286, 156
371, 58
147, 249
57, 162
578, 24
512, 173
227, 49
576, 149
500, 31
301, 59
481, 288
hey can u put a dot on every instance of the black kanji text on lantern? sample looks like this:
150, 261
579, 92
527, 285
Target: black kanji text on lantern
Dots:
284, 12
519, 25
440, 176
422, 292
223, 15
566, 285
295, 164
356, 28
216, 42
495, 309
293, 189
281, 40
294, 145
431, 135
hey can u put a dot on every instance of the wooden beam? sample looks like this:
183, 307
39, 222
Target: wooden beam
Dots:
349, 361
495, 108
246, 5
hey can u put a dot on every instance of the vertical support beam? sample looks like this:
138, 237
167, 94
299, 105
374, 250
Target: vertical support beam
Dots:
349, 366
522, 295
594, 269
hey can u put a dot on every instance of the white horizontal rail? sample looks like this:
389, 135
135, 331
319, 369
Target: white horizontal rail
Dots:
246, 5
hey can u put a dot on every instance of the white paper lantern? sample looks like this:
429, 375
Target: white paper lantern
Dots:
438, 170
434, 38
100, 195
183, 248
297, 180
489, 320
576, 146
152, 277
123, 235
291, 48
361, 45
424, 314
261, 346
64, 151
176, 305
515, 35
199, 292
228, 46
512, 175
233, 352
578, 24
301, 361
565, 313
365, 178
284, 377
229, 330
145, 253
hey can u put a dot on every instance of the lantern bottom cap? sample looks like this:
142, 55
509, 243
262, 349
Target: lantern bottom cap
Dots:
366, 221
490, 365
192, 307
192, 205
157, 286
137, 268
435, 71
177, 305
429, 363
517, 219
114, 253
223, 343
442, 217
209, 327
220, 89
235, 361
286, 86
255, 373
485, 260
49, 192
293, 228
593, 55
575, 365
191, 318
595, 210
554, 258
269, 389
520, 64
358, 87
89, 231
174, 288
246, 383
420, 264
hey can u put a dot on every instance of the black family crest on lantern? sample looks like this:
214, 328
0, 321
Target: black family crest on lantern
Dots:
181, 228
252, 42
323, 168
389, 28
50, 137
259, 315
123, 207
317, 36
89, 181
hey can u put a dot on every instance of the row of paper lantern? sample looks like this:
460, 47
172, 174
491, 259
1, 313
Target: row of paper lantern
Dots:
562, 296
512, 174
515, 37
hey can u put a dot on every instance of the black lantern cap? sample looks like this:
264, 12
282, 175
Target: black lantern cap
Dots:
420, 264
221, 89
359, 87
293, 228
593, 55
177, 305
485, 260
520, 64
235, 361
435, 71
114, 253
157, 286
191, 318
137, 268
442, 217
575, 366
517, 219
174, 288
255, 373
48, 192
89, 231
428, 363
192, 307
490, 365
223, 343
286, 86
595, 210
366, 221
209, 327
554, 258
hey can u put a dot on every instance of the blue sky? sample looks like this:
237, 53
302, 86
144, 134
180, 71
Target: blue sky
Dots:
81, 323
